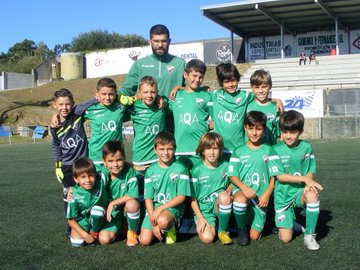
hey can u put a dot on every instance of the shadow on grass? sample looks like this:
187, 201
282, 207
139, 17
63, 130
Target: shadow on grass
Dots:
322, 227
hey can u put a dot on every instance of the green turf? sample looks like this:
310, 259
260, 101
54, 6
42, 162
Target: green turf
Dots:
32, 223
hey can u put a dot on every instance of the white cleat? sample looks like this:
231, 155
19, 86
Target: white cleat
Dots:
310, 242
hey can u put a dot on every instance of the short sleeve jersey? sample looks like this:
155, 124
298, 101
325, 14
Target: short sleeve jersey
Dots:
191, 116
206, 183
251, 166
147, 122
106, 125
228, 113
299, 160
164, 184
84, 199
272, 131
124, 184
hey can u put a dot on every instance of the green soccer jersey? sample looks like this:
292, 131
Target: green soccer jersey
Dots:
272, 131
191, 116
206, 183
251, 166
124, 184
228, 113
164, 184
106, 125
84, 199
295, 161
147, 122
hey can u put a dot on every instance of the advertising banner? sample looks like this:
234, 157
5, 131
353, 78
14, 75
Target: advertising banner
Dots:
219, 51
309, 102
355, 41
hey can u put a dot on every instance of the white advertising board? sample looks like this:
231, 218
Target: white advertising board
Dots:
309, 102
113, 62
321, 42
119, 61
355, 41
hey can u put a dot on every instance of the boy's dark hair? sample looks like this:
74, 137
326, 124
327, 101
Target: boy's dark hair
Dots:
253, 118
106, 82
63, 92
292, 121
260, 77
111, 147
159, 29
148, 80
227, 71
195, 65
83, 165
207, 141
164, 137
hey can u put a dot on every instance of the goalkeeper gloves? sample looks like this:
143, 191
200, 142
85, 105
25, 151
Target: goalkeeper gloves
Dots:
58, 171
126, 100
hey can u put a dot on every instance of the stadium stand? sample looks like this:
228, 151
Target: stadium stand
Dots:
328, 72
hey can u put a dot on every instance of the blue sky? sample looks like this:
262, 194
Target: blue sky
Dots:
58, 22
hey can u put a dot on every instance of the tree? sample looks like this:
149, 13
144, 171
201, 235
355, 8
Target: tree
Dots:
99, 40
20, 50
59, 49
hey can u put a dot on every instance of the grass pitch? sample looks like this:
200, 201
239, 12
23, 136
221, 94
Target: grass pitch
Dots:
32, 223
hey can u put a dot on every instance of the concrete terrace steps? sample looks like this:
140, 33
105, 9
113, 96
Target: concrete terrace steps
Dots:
340, 71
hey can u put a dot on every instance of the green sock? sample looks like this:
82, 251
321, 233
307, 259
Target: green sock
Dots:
240, 214
224, 216
312, 215
97, 217
133, 220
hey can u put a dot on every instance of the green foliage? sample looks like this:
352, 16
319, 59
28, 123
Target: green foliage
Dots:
99, 40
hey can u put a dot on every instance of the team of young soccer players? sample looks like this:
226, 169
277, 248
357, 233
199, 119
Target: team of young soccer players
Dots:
233, 169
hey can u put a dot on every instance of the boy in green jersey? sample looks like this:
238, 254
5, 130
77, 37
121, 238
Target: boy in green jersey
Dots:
123, 193
210, 190
148, 119
261, 83
248, 171
106, 118
86, 211
191, 113
229, 107
166, 187
292, 162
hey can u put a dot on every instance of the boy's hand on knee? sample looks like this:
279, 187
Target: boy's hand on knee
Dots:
157, 233
201, 224
313, 185
249, 192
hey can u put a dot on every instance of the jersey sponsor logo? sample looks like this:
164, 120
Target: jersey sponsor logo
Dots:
188, 119
210, 198
147, 66
228, 117
255, 179
162, 198
152, 130
72, 142
109, 126
203, 179
274, 169
231, 168
97, 111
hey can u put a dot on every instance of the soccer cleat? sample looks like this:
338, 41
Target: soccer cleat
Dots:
224, 238
132, 239
310, 242
243, 237
298, 228
170, 236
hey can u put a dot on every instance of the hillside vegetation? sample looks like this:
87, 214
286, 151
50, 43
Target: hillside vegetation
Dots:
33, 106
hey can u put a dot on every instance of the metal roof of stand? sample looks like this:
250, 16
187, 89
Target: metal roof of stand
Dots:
273, 17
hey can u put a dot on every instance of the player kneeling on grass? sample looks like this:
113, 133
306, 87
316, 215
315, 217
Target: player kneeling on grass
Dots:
86, 211
292, 162
210, 190
166, 187
123, 193
248, 171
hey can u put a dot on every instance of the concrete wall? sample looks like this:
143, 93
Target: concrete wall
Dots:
332, 127
11, 80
